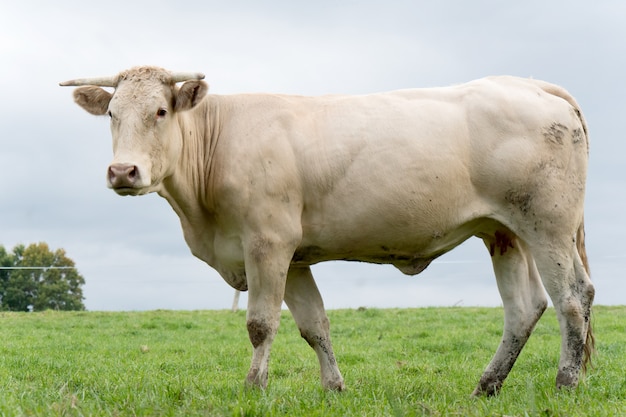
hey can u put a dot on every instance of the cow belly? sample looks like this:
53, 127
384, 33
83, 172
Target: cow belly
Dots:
411, 251
407, 264
411, 256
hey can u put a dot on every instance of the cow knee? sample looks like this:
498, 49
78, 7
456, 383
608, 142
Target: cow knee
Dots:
316, 334
258, 331
540, 306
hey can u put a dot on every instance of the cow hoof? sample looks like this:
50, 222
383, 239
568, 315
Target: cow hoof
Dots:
566, 379
252, 385
487, 390
334, 385
256, 380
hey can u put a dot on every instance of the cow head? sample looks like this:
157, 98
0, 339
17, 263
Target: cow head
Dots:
143, 108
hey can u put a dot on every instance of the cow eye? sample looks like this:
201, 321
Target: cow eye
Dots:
161, 112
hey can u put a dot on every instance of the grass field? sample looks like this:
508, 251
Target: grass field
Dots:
396, 362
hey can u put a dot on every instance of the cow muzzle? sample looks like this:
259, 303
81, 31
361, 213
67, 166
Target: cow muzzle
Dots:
124, 179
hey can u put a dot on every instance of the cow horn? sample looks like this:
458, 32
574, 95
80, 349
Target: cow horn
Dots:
178, 77
100, 81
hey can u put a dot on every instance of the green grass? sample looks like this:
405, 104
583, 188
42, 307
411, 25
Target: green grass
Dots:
396, 362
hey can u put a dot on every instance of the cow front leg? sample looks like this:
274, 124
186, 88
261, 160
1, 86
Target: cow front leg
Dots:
524, 302
267, 263
305, 303
261, 332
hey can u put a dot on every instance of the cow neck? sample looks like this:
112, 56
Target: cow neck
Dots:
188, 188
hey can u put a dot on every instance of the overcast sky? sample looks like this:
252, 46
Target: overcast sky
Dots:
53, 155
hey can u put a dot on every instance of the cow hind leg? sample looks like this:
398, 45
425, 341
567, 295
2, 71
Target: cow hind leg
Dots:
305, 303
524, 302
565, 278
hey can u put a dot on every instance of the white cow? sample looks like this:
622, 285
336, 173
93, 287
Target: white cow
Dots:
266, 185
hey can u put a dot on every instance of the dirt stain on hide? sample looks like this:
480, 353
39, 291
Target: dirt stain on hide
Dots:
578, 136
258, 331
322, 342
555, 133
261, 248
520, 199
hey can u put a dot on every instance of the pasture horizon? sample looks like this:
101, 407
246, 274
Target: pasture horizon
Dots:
463, 277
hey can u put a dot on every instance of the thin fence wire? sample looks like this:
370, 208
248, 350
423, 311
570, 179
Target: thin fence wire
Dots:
37, 267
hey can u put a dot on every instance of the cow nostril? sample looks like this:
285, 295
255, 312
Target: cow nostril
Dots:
112, 174
132, 173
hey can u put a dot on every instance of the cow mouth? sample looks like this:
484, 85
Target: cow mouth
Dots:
132, 191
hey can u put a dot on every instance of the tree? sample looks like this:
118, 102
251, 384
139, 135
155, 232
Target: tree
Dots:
6, 261
52, 283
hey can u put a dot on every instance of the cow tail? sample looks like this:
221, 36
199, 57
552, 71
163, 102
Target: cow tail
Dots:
590, 341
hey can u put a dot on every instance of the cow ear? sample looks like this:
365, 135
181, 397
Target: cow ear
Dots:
93, 99
190, 94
